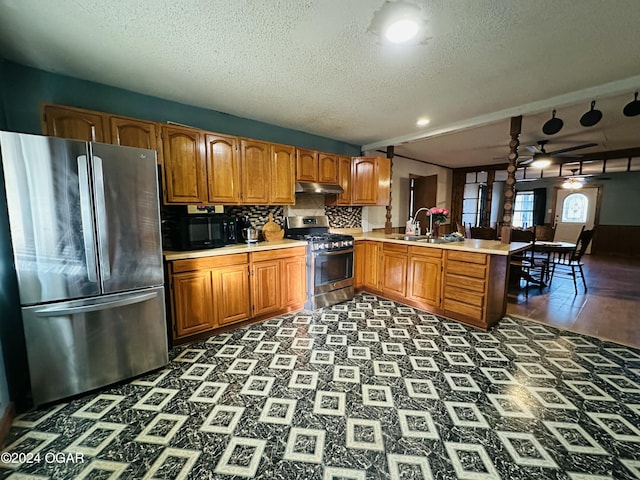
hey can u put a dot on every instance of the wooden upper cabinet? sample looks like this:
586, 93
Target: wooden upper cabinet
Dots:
327, 168
223, 168
344, 180
184, 165
75, 123
364, 187
255, 171
130, 132
306, 165
282, 174
370, 181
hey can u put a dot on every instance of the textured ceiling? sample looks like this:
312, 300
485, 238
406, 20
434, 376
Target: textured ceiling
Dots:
318, 66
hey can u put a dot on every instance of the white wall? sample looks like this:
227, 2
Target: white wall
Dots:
375, 217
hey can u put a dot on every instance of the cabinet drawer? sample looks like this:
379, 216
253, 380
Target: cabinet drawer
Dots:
395, 248
462, 308
208, 262
466, 269
278, 253
426, 252
459, 281
464, 296
479, 258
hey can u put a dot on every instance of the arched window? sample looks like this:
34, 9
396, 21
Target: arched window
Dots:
574, 208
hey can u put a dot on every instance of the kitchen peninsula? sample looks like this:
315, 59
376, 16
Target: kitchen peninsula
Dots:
466, 281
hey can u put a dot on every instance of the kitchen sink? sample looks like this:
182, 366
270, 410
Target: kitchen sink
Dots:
433, 240
399, 236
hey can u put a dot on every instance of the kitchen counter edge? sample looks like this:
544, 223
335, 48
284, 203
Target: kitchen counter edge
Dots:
170, 255
492, 247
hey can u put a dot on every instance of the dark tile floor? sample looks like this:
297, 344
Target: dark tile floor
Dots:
369, 389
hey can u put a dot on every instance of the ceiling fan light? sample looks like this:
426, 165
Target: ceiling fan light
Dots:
572, 184
540, 162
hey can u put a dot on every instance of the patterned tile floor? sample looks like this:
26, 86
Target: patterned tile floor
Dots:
369, 389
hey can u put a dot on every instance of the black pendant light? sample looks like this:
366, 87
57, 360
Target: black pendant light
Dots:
592, 117
632, 108
553, 125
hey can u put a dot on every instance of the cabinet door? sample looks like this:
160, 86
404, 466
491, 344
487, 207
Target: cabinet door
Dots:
425, 280
265, 286
282, 175
359, 260
76, 124
192, 296
223, 169
344, 180
130, 132
231, 287
294, 291
383, 180
394, 273
184, 165
327, 168
372, 261
364, 185
306, 165
255, 172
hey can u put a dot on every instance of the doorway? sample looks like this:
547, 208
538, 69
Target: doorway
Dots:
573, 209
422, 193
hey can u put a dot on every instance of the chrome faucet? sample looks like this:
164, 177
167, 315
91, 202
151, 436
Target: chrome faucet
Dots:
416, 215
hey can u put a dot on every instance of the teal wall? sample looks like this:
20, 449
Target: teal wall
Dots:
23, 89
620, 197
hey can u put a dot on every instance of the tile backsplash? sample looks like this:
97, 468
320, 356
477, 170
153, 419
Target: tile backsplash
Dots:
306, 205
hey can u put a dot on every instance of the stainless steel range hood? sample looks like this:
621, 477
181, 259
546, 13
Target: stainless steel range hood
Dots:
319, 188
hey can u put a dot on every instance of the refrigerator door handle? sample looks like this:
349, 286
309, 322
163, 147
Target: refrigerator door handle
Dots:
62, 310
101, 218
87, 221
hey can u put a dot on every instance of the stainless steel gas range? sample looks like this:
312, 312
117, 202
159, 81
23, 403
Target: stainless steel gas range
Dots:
329, 260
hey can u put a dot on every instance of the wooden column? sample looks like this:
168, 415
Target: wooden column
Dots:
388, 227
510, 184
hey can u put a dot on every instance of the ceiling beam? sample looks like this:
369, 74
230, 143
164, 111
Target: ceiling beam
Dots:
608, 89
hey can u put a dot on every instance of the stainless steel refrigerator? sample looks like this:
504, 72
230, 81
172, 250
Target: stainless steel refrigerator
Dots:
85, 229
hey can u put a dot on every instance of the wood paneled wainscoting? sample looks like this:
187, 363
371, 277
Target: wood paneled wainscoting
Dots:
616, 240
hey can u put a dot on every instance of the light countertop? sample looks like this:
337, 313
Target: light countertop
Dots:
233, 249
492, 247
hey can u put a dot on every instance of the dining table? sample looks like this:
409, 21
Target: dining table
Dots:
552, 250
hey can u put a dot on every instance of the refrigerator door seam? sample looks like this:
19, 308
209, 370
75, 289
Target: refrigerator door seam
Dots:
86, 209
101, 218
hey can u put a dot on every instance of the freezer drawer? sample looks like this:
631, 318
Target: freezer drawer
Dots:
80, 345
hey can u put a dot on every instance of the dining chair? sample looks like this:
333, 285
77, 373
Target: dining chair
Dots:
484, 233
526, 265
570, 264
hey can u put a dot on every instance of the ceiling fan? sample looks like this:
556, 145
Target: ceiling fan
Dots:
541, 158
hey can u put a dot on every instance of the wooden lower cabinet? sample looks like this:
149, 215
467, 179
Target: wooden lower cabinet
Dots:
424, 280
358, 264
372, 264
294, 270
278, 279
193, 311
231, 285
212, 292
394, 268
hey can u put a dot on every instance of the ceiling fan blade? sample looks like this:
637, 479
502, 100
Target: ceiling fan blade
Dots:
533, 149
571, 149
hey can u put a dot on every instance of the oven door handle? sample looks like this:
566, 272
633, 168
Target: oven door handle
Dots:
336, 252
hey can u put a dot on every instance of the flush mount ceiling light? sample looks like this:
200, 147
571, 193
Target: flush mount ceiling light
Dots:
399, 23
423, 122
402, 30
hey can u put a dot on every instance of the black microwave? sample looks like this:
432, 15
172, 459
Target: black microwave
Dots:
199, 231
